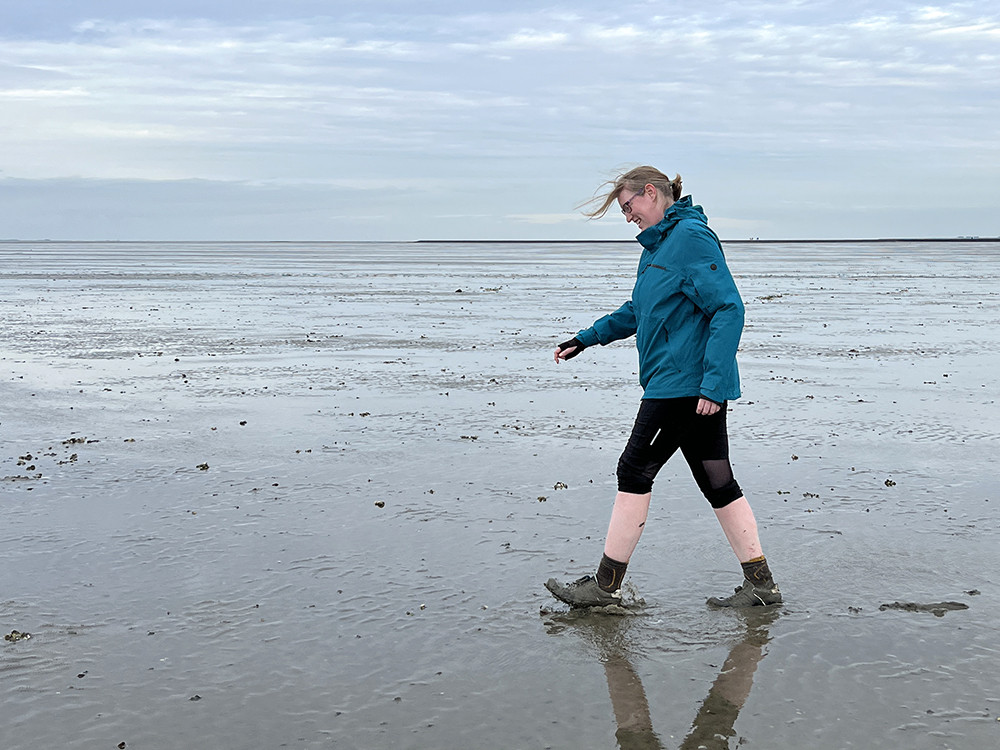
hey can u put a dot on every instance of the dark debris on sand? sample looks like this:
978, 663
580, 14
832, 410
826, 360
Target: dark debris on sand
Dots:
938, 609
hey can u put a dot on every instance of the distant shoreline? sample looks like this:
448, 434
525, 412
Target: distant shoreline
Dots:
729, 242
497, 242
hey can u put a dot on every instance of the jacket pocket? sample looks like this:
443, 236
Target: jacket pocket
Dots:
670, 361
656, 355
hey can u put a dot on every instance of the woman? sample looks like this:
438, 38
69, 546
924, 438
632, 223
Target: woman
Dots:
687, 317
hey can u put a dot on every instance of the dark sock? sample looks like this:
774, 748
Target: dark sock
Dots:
610, 573
756, 571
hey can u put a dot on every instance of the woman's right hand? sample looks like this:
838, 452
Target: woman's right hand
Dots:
707, 408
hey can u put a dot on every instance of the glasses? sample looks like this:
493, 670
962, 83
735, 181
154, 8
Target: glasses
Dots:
627, 205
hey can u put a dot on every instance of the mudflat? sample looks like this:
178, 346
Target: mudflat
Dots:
306, 495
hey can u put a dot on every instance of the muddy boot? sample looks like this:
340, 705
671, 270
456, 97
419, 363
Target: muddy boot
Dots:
583, 592
750, 595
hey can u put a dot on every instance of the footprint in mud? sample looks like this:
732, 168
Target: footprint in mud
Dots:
577, 613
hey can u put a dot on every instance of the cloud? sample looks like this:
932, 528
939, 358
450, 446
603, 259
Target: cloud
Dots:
530, 39
508, 97
547, 219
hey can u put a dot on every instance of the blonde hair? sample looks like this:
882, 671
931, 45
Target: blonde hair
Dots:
633, 180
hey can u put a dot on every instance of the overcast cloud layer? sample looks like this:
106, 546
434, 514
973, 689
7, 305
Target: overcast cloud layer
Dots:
493, 120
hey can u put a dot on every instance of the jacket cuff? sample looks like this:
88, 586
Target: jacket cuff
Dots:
588, 337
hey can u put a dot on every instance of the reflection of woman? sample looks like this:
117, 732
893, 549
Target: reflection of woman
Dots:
713, 725
687, 317
628, 701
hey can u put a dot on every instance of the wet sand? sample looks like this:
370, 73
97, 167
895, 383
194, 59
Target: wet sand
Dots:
287, 495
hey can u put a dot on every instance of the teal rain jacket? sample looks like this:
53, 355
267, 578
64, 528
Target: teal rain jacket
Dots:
685, 311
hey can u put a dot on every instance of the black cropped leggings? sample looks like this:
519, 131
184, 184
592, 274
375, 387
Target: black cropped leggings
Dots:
661, 427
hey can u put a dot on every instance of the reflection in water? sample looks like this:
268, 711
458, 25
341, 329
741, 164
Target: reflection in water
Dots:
628, 699
713, 726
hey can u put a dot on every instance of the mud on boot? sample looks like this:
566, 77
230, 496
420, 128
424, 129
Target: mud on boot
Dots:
583, 592
750, 595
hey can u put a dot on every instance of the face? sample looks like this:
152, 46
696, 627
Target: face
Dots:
644, 207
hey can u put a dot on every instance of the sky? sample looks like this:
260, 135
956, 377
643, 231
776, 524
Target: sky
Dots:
387, 120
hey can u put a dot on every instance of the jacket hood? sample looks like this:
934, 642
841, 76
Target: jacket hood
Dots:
650, 237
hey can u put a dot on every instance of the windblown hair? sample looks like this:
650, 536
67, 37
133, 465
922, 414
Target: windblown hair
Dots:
633, 181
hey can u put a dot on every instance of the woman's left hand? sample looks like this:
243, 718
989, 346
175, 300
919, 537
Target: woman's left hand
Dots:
707, 408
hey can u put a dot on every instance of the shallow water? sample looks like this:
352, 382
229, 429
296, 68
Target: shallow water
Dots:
193, 440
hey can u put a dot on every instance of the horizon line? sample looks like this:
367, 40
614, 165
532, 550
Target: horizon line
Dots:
755, 240
750, 240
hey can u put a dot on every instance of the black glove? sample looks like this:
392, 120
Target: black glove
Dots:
571, 343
